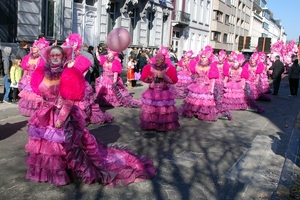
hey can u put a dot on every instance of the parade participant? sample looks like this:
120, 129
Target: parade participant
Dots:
158, 110
263, 79
92, 111
30, 101
223, 111
200, 100
59, 148
234, 83
184, 75
254, 70
110, 89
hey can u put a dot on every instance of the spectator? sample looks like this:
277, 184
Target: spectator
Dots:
173, 57
278, 69
89, 56
23, 49
294, 72
143, 59
7, 64
1, 65
16, 73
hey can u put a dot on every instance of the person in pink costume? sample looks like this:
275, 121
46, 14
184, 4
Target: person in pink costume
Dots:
223, 111
60, 148
253, 69
110, 89
184, 75
200, 101
92, 111
30, 101
234, 82
264, 86
158, 109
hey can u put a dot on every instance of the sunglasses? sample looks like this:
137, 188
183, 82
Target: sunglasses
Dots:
55, 55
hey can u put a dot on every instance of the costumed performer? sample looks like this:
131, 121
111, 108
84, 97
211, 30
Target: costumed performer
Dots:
110, 89
92, 111
59, 148
158, 110
29, 100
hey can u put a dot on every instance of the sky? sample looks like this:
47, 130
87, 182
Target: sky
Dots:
288, 11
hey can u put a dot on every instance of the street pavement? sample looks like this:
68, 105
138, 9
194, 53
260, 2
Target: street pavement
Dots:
250, 157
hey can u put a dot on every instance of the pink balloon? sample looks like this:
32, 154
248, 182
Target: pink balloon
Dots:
118, 39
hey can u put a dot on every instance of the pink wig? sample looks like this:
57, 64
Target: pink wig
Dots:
164, 51
254, 57
41, 43
240, 58
73, 40
232, 56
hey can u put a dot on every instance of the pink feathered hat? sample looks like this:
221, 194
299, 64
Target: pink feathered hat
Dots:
207, 52
232, 56
222, 55
41, 43
188, 54
164, 51
240, 58
254, 57
68, 50
73, 40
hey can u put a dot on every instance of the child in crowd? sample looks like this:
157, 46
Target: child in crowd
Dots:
130, 71
16, 73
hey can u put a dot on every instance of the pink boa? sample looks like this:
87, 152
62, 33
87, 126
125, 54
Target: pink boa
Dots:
226, 68
260, 68
72, 84
101, 59
193, 64
82, 63
116, 66
245, 71
172, 74
213, 72
24, 62
146, 72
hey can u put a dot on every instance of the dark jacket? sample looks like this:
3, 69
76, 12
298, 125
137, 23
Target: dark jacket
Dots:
294, 71
278, 69
22, 52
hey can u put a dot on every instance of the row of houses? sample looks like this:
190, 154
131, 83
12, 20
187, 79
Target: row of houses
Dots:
180, 24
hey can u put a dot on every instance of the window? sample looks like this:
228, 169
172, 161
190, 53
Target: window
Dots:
151, 32
215, 36
265, 26
228, 3
90, 2
176, 34
112, 19
133, 23
48, 17
266, 15
78, 1
217, 15
225, 38
227, 19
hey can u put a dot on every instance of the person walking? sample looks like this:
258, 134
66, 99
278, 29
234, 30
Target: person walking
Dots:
278, 69
294, 72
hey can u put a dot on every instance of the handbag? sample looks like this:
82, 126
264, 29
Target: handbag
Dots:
137, 75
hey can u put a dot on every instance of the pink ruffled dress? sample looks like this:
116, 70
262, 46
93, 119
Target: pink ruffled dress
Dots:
113, 94
158, 110
29, 100
235, 96
200, 101
184, 79
59, 155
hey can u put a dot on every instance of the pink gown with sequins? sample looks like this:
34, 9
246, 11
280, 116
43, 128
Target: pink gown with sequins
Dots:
58, 155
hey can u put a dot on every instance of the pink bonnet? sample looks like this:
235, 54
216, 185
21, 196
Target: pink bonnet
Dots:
160, 56
41, 43
73, 40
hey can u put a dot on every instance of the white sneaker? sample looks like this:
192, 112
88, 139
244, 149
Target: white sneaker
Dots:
4, 101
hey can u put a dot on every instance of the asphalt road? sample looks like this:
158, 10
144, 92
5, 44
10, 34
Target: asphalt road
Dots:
246, 158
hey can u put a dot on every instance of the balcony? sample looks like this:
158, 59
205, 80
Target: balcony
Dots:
180, 18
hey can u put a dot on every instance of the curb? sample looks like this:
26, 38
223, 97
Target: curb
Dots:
287, 174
